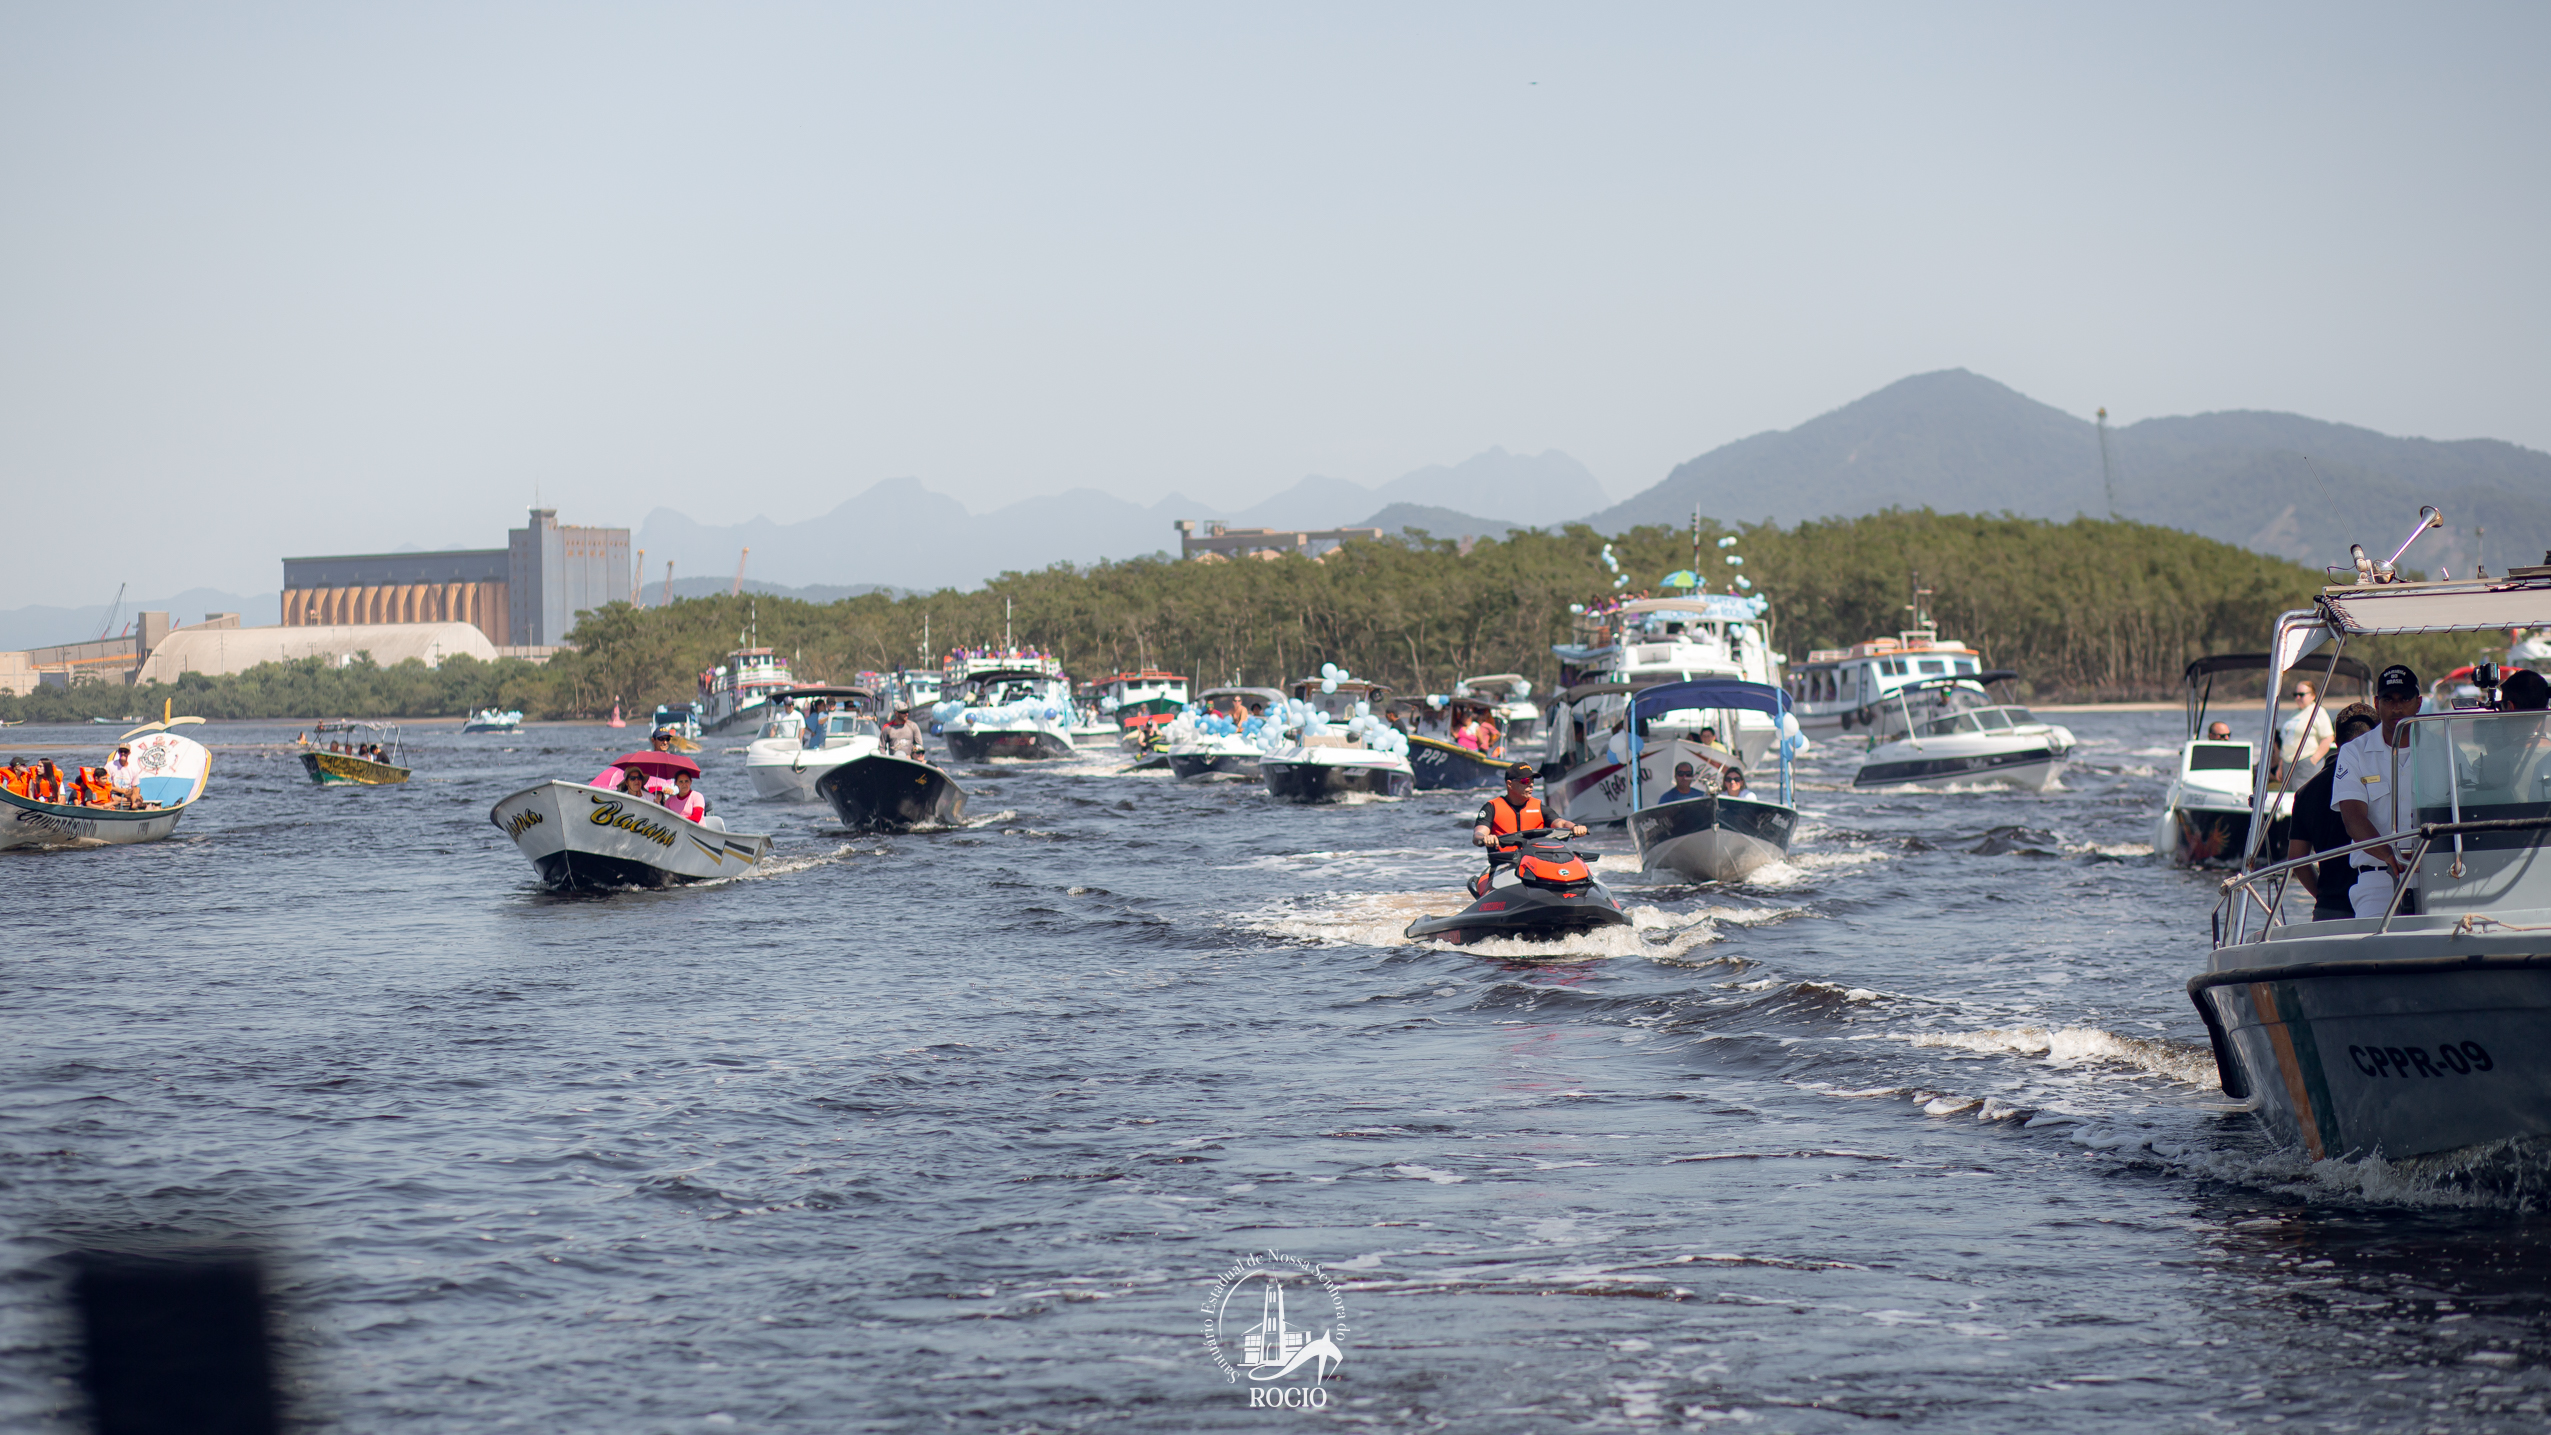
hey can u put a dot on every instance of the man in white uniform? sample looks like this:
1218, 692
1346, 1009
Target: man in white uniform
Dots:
2365, 795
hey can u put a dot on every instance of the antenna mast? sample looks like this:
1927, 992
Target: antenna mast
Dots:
2107, 467
1006, 644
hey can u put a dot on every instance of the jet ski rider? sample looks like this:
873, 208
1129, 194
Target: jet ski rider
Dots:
1517, 811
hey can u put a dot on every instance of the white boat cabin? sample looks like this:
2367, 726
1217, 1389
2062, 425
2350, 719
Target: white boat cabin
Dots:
1847, 686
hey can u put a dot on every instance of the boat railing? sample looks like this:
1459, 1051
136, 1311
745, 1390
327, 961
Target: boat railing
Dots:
2242, 898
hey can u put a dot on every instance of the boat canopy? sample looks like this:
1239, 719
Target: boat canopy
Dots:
2387, 609
2353, 669
656, 764
1715, 693
1715, 607
1004, 675
820, 690
1996, 675
1268, 695
1608, 688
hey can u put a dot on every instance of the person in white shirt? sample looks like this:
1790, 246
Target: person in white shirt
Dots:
2365, 795
2306, 737
123, 778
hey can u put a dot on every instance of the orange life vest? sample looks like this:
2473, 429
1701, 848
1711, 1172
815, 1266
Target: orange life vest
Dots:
1503, 818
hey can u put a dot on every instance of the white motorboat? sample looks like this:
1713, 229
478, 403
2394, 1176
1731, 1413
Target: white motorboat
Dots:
786, 762
1842, 689
1638, 645
491, 720
1950, 732
1013, 703
1712, 835
1335, 746
2205, 816
2418, 1031
592, 838
1132, 704
173, 770
682, 720
737, 693
1208, 742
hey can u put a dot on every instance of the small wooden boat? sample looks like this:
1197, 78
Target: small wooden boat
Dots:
594, 839
353, 769
174, 770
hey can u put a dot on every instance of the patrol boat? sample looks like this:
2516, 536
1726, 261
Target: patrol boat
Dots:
2205, 816
1717, 836
2418, 1031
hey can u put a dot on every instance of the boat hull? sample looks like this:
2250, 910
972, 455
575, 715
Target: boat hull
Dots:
25, 822
1713, 839
1299, 779
485, 724
2405, 1057
587, 838
2034, 766
784, 770
338, 769
1191, 766
967, 744
877, 793
1440, 766
1521, 910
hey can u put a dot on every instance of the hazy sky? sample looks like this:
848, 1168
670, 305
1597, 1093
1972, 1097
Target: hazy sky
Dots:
344, 277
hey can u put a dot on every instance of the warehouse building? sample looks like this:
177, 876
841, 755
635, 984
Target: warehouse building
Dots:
523, 595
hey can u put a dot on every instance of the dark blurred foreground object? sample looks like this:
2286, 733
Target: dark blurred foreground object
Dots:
176, 1342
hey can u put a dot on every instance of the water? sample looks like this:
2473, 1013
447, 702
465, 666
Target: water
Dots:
958, 1131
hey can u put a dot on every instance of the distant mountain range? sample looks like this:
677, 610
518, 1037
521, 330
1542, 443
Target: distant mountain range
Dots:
900, 534
2277, 483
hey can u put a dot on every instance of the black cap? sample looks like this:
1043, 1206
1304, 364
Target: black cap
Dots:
2398, 680
1524, 770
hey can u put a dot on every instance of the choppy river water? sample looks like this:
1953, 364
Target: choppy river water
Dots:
959, 1131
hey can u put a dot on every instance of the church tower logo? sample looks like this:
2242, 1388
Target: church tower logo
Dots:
1275, 1324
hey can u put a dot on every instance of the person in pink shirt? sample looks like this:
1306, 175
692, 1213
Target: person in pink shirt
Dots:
684, 803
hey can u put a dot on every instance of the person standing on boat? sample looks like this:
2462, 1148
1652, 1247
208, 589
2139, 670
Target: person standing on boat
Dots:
2307, 737
901, 737
2365, 794
2317, 828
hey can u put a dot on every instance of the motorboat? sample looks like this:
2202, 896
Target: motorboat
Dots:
917, 689
1197, 745
2205, 816
1437, 756
493, 720
1013, 703
1843, 689
1713, 835
1642, 644
680, 719
1509, 700
878, 793
1952, 732
585, 838
173, 769
1546, 893
335, 767
1138, 701
737, 693
788, 758
2418, 1031
1334, 747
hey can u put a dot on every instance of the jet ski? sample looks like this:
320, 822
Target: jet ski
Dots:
1547, 891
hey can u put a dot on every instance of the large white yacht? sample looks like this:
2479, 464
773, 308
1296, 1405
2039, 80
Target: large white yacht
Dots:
737, 693
1586, 751
1847, 688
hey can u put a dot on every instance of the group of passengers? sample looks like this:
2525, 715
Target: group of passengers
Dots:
2354, 796
674, 793
117, 785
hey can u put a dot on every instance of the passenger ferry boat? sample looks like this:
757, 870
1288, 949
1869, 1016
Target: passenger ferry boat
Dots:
737, 692
1848, 688
2418, 1030
1015, 703
174, 770
336, 769
1641, 644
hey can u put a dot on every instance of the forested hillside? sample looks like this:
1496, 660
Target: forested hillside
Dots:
2086, 610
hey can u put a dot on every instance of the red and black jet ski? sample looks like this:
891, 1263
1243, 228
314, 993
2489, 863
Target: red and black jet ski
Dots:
1547, 891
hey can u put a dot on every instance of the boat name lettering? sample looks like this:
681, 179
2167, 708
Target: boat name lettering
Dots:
2451, 1059
609, 814
61, 826
528, 817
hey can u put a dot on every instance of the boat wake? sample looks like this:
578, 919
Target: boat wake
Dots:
2075, 1045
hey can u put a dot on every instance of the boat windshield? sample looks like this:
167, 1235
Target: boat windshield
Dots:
2469, 766
849, 725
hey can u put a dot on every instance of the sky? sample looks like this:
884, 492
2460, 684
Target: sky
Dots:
286, 279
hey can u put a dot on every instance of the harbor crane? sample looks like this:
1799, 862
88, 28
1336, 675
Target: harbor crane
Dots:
738, 589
